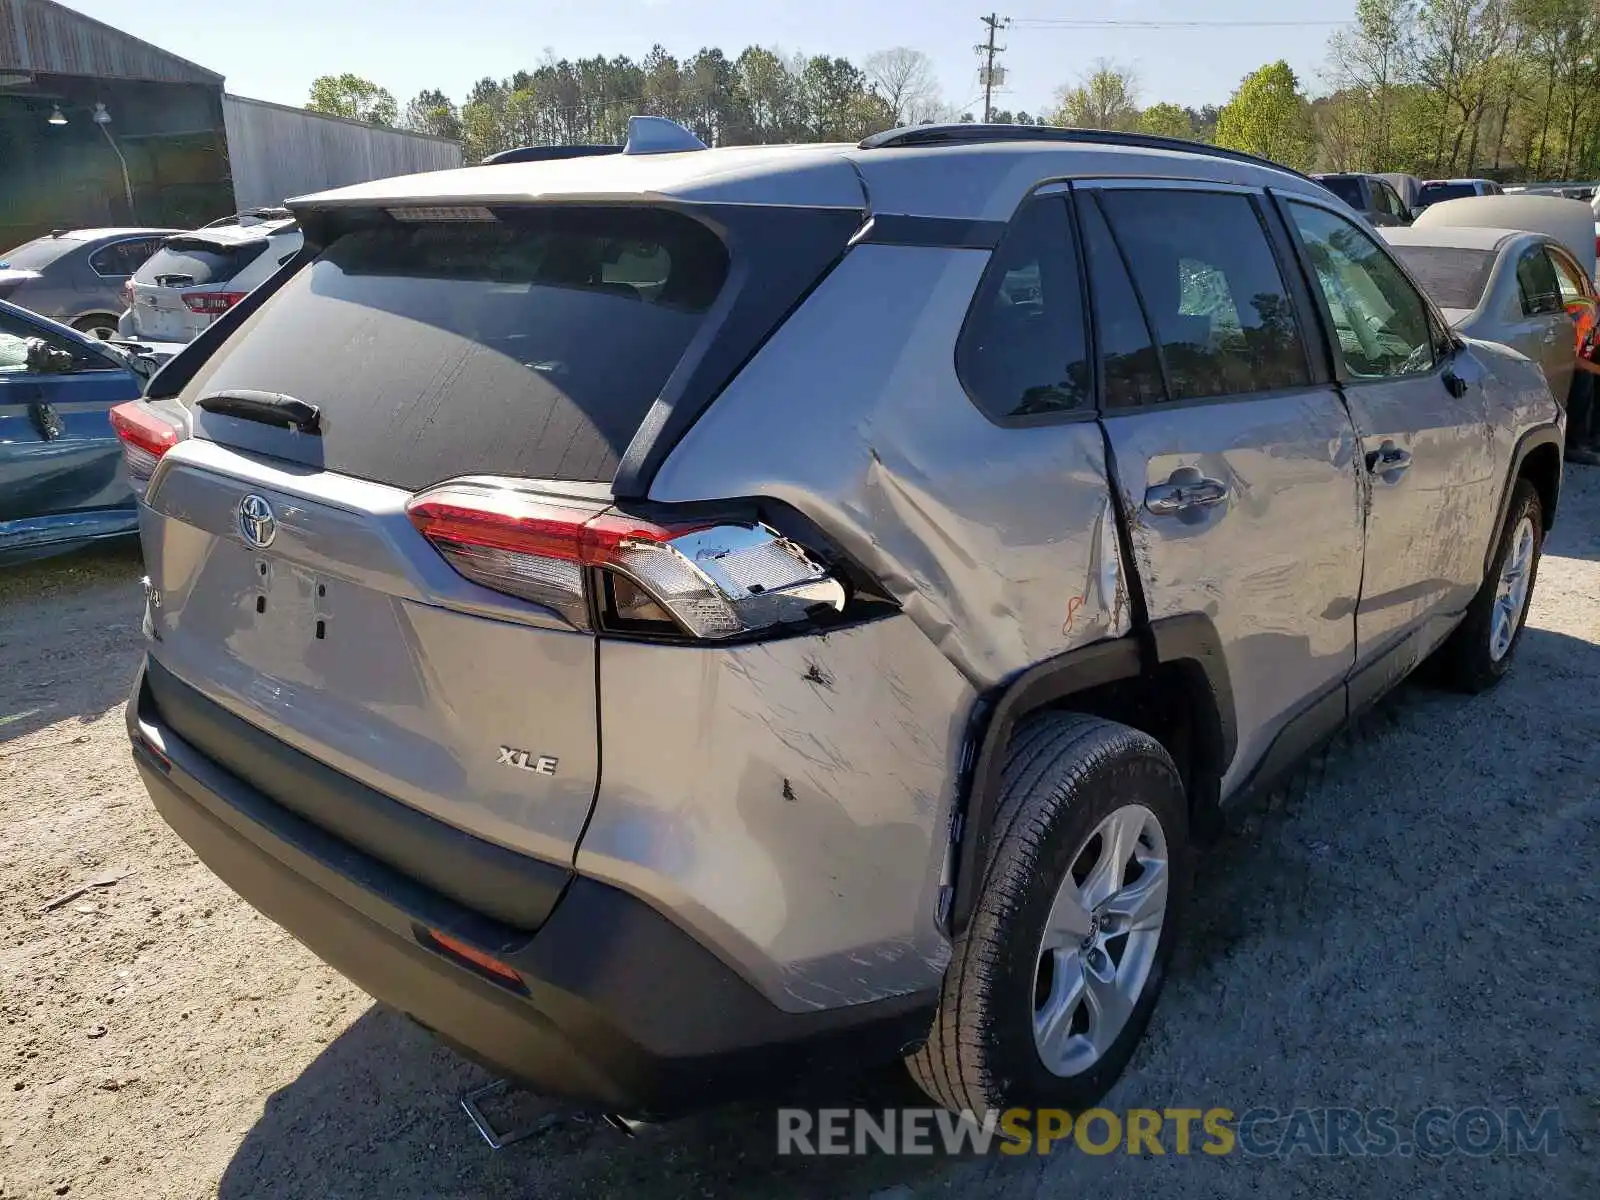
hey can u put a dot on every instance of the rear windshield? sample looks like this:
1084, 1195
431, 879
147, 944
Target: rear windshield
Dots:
1432, 193
190, 262
38, 254
1346, 188
1454, 278
529, 345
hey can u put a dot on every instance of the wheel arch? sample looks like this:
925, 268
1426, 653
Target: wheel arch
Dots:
1170, 680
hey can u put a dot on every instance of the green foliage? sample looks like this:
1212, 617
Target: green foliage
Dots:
353, 97
1166, 120
1269, 116
1106, 98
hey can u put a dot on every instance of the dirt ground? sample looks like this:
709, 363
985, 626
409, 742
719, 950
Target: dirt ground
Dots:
1417, 924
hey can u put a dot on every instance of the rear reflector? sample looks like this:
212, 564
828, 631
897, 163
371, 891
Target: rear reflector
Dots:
706, 580
145, 437
212, 303
475, 957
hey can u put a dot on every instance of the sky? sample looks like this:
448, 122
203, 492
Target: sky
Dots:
272, 51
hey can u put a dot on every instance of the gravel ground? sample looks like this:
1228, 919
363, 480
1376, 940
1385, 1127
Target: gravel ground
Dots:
1416, 924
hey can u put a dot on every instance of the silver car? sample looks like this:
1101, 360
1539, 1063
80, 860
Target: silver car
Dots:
682, 619
78, 276
1506, 286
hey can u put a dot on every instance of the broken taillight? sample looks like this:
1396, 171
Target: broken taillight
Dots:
703, 579
145, 437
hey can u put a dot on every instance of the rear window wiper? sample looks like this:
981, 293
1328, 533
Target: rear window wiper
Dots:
268, 408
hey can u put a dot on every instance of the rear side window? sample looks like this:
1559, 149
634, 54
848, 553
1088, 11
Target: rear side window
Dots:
1023, 351
1536, 281
530, 345
190, 262
121, 259
1454, 278
1210, 284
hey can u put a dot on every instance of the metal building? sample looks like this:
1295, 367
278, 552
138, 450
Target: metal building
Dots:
100, 128
277, 152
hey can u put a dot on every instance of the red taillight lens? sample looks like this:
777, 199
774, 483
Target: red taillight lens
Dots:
710, 581
145, 437
212, 304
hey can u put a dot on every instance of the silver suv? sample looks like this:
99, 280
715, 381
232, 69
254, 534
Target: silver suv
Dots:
678, 619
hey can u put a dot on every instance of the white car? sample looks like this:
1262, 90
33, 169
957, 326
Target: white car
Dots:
195, 277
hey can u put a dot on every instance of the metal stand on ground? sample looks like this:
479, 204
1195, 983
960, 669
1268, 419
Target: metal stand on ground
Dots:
496, 1139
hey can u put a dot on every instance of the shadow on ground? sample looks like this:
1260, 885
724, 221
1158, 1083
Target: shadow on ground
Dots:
377, 1114
1362, 864
69, 636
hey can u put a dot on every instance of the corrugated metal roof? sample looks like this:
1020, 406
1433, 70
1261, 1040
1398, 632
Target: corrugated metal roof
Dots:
45, 37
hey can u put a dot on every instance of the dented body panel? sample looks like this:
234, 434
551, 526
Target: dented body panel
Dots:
1276, 566
998, 542
1426, 523
787, 802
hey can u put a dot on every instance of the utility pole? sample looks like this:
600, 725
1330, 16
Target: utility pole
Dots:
990, 75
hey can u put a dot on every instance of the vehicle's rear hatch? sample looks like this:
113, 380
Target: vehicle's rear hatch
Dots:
190, 265
522, 347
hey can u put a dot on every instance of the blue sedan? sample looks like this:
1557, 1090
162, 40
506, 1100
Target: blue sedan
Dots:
61, 477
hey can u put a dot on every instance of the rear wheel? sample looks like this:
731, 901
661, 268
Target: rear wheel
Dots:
1053, 983
97, 325
1479, 652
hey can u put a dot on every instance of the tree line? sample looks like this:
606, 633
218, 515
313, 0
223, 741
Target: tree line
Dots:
1505, 88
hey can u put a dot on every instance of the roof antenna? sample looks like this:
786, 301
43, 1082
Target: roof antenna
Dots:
658, 135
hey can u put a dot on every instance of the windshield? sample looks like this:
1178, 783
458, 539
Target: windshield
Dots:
531, 345
1346, 187
1432, 193
1454, 278
38, 254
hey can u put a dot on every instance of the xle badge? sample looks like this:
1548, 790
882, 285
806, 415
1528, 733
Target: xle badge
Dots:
539, 764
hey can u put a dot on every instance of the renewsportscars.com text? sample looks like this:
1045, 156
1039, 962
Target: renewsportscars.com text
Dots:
1256, 1132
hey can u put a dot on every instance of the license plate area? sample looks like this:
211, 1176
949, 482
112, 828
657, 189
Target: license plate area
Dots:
289, 603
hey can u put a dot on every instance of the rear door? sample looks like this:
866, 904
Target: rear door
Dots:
1233, 451
1421, 414
294, 590
58, 454
1545, 311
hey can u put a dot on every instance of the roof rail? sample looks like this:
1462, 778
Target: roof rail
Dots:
968, 133
522, 154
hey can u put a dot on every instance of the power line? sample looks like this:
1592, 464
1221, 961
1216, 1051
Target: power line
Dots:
1080, 23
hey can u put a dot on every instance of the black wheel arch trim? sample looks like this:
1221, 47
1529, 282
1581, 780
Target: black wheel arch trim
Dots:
1531, 440
1190, 638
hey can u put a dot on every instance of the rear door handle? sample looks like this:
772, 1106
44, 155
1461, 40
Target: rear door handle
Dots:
1388, 459
1186, 490
46, 420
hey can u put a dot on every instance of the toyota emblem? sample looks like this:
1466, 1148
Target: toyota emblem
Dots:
256, 521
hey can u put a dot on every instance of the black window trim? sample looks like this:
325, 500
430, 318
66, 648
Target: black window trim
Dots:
1318, 379
1048, 191
1446, 342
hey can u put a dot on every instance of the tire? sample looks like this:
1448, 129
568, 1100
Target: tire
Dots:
1468, 661
97, 325
1065, 777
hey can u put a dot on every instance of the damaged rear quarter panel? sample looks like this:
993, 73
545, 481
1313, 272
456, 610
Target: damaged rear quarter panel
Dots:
992, 539
787, 802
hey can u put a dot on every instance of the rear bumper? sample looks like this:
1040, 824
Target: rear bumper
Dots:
618, 1007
